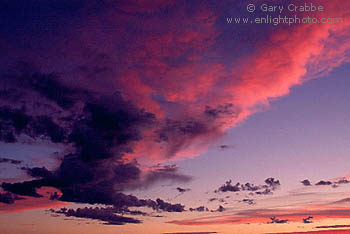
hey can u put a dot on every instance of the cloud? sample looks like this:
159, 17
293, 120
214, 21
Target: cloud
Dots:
30, 203
169, 94
219, 209
322, 182
9, 198
334, 226
199, 209
103, 214
169, 207
335, 183
276, 220
183, 190
227, 187
97, 133
342, 201
160, 173
224, 147
306, 182
308, 219
270, 185
248, 201
9, 160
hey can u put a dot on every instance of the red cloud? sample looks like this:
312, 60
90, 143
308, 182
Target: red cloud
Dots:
171, 66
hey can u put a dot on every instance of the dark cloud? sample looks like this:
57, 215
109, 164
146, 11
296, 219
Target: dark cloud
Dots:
219, 209
266, 191
106, 215
306, 182
322, 182
9, 198
38, 172
343, 181
249, 201
342, 201
224, 147
334, 184
177, 133
271, 182
228, 187
183, 190
12, 161
97, 130
307, 220
270, 185
222, 200
14, 122
27, 188
169, 207
47, 85
163, 173
334, 226
280, 221
199, 209
223, 111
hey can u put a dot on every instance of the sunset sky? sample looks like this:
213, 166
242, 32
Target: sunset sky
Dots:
153, 117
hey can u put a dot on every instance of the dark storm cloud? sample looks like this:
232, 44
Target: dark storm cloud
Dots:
38, 172
106, 215
9, 198
11, 161
14, 122
97, 129
306, 182
270, 185
26, 188
48, 86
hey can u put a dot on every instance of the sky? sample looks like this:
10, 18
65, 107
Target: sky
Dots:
174, 117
